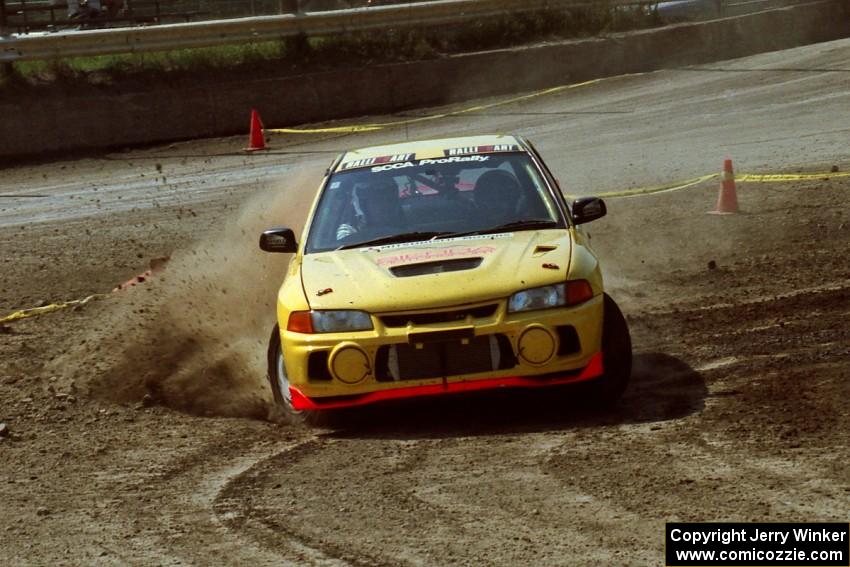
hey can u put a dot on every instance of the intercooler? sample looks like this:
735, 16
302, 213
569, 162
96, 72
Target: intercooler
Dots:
442, 358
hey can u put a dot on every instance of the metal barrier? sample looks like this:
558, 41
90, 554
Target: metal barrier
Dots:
3, 25
26, 16
267, 28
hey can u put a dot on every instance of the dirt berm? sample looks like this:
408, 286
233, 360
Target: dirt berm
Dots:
110, 117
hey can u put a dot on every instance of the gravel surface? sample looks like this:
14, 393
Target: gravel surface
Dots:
133, 431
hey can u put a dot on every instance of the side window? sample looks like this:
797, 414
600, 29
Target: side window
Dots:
333, 207
535, 205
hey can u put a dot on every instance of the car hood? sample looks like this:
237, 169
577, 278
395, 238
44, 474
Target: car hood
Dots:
416, 275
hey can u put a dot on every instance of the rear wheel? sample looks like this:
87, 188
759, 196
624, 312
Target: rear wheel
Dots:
282, 409
617, 357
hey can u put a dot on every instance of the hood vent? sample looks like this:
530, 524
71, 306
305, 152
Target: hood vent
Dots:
542, 249
438, 267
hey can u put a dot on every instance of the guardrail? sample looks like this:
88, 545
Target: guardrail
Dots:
25, 16
3, 22
266, 28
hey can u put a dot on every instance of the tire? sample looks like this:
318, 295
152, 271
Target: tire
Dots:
617, 357
282, 410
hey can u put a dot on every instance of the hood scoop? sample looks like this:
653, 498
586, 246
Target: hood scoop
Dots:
439, 267
542, 249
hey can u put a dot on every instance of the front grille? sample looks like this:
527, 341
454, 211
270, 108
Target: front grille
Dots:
439, 317
440, 359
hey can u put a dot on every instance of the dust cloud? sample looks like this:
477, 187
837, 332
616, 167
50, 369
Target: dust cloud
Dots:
194, 338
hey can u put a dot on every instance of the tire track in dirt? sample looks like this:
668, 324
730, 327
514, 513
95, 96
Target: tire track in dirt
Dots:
236, 503
187, 494
438, 482
762, 447
405, 517
827, 288
758, 431
547, 476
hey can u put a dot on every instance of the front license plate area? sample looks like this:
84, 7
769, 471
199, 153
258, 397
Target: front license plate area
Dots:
445, 358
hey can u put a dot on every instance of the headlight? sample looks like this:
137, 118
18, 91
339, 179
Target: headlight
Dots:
570, 293
328, 321
336, 321
537, 298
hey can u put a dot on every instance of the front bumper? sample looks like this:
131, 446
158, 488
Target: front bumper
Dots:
391, 361
302, 403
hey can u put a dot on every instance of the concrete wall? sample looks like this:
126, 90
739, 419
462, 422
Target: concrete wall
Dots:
58, 124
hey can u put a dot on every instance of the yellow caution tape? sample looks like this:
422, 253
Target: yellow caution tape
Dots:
27, 313
768, 178
380, 126
658, 188
739, 178
332, 130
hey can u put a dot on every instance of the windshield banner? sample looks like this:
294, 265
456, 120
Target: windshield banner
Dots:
421, 162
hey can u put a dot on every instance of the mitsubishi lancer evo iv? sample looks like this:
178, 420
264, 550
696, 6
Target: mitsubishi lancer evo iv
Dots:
442, 266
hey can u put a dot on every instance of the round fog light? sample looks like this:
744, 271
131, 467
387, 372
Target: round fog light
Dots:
536, 345
349, 364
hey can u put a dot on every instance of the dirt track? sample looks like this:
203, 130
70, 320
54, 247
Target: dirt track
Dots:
737, 409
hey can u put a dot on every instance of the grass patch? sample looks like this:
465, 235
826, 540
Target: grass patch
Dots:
180, 60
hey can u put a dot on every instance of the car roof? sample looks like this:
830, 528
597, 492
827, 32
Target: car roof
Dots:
429, 149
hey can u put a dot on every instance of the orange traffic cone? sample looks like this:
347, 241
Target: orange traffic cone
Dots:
727, 200
256, 141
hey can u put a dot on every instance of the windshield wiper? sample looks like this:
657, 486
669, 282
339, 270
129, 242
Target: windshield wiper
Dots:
529, 224
395, 239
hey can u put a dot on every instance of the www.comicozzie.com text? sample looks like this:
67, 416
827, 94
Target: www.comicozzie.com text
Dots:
726, 536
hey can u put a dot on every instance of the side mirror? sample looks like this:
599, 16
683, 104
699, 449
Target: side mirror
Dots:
586, 209
278, 240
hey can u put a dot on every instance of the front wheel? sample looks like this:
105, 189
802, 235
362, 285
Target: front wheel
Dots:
282, 409
616, 357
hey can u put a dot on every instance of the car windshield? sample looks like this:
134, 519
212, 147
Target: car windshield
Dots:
431, 198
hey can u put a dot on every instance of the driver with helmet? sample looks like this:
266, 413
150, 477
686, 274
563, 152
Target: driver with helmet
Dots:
377, 210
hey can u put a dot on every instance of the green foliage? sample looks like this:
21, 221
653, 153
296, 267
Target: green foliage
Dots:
301, 54
181, 60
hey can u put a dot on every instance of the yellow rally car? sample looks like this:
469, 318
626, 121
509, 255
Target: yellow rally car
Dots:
442, 266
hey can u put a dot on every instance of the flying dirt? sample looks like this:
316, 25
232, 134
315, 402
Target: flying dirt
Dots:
135, 425
194, 337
